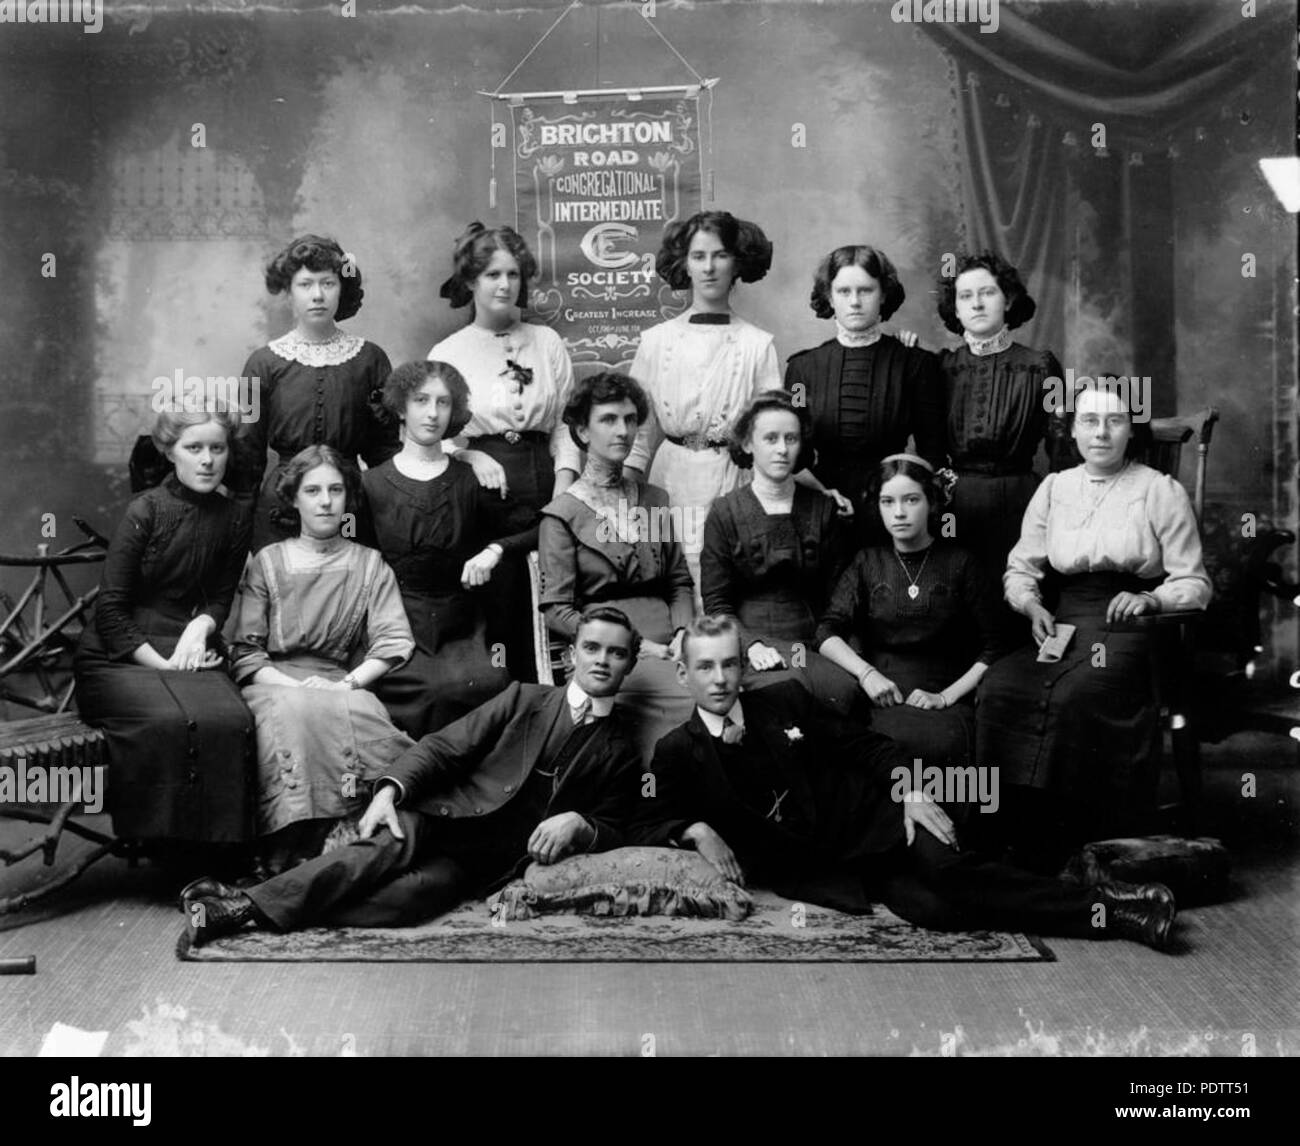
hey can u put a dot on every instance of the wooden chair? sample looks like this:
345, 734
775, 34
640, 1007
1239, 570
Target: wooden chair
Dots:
550, 651
36, 642
1173, 633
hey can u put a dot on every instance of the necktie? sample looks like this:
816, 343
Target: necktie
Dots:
582, 714
732, 733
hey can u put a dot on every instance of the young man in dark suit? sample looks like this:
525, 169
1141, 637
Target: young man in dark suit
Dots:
773, 785
537, 771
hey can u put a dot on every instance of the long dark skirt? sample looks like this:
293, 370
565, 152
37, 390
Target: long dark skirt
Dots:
789, 626
530, 475
940, 737
1083, 729
988, 510
453, 669
181, 750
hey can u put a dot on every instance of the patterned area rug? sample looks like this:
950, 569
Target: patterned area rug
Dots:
778, 931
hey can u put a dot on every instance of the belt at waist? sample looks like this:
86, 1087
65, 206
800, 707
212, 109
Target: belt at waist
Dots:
697, 442
513, 438
993, 469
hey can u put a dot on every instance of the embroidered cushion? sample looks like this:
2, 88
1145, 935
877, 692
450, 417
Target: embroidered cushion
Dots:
625, 881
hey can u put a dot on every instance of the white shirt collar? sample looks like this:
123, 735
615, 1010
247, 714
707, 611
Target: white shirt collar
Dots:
601, 706
713, 722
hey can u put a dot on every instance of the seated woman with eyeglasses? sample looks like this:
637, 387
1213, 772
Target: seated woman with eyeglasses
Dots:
1104, 542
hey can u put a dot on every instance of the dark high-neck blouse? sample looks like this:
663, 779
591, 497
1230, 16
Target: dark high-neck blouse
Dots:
865, 402
774, 572
176, 554
997, 413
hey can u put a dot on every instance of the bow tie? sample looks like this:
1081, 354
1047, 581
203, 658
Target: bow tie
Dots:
710, 319
732, 733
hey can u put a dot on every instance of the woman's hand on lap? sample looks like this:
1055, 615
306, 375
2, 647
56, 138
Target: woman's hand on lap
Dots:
880, 690
478, 569
919, 698
1042, 623
325, 683
763, 657
1125, 605
654, 650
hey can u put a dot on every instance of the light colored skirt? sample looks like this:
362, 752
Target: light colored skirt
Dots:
316, 747
693, 479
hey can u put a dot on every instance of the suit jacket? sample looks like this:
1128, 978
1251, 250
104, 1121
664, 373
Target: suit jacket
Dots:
906, 398
840, 774
476, 765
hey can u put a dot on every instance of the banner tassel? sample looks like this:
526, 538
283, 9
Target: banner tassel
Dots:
492, 192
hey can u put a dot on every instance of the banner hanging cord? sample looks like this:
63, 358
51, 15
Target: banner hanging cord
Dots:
669, 44
537, 45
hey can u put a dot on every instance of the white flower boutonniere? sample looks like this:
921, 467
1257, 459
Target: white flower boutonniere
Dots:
793, 733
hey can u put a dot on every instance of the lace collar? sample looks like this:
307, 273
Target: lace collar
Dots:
338, 348
994, 344
856, 339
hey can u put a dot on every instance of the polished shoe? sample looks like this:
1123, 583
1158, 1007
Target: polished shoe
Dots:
201, 887
209, 917
1143, 912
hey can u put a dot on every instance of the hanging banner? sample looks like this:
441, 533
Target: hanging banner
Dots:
596, 182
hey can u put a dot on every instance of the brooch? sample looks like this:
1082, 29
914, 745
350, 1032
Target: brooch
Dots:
793, 733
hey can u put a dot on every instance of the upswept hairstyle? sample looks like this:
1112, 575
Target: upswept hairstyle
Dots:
471, 253
1020, 303
171, 423
876, 263
937, 493
597, 389
317, 254
743, 427
743, 240
614, 617
407, 378
718, 625
302, 463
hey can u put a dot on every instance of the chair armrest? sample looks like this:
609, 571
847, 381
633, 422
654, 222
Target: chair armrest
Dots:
1167, 619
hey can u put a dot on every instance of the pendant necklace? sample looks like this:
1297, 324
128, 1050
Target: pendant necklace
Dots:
912, 591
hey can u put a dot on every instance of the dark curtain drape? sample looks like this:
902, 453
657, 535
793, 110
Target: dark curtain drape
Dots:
1027, 99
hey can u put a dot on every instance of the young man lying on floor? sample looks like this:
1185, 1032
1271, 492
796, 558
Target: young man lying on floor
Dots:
772, 785
538, 770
